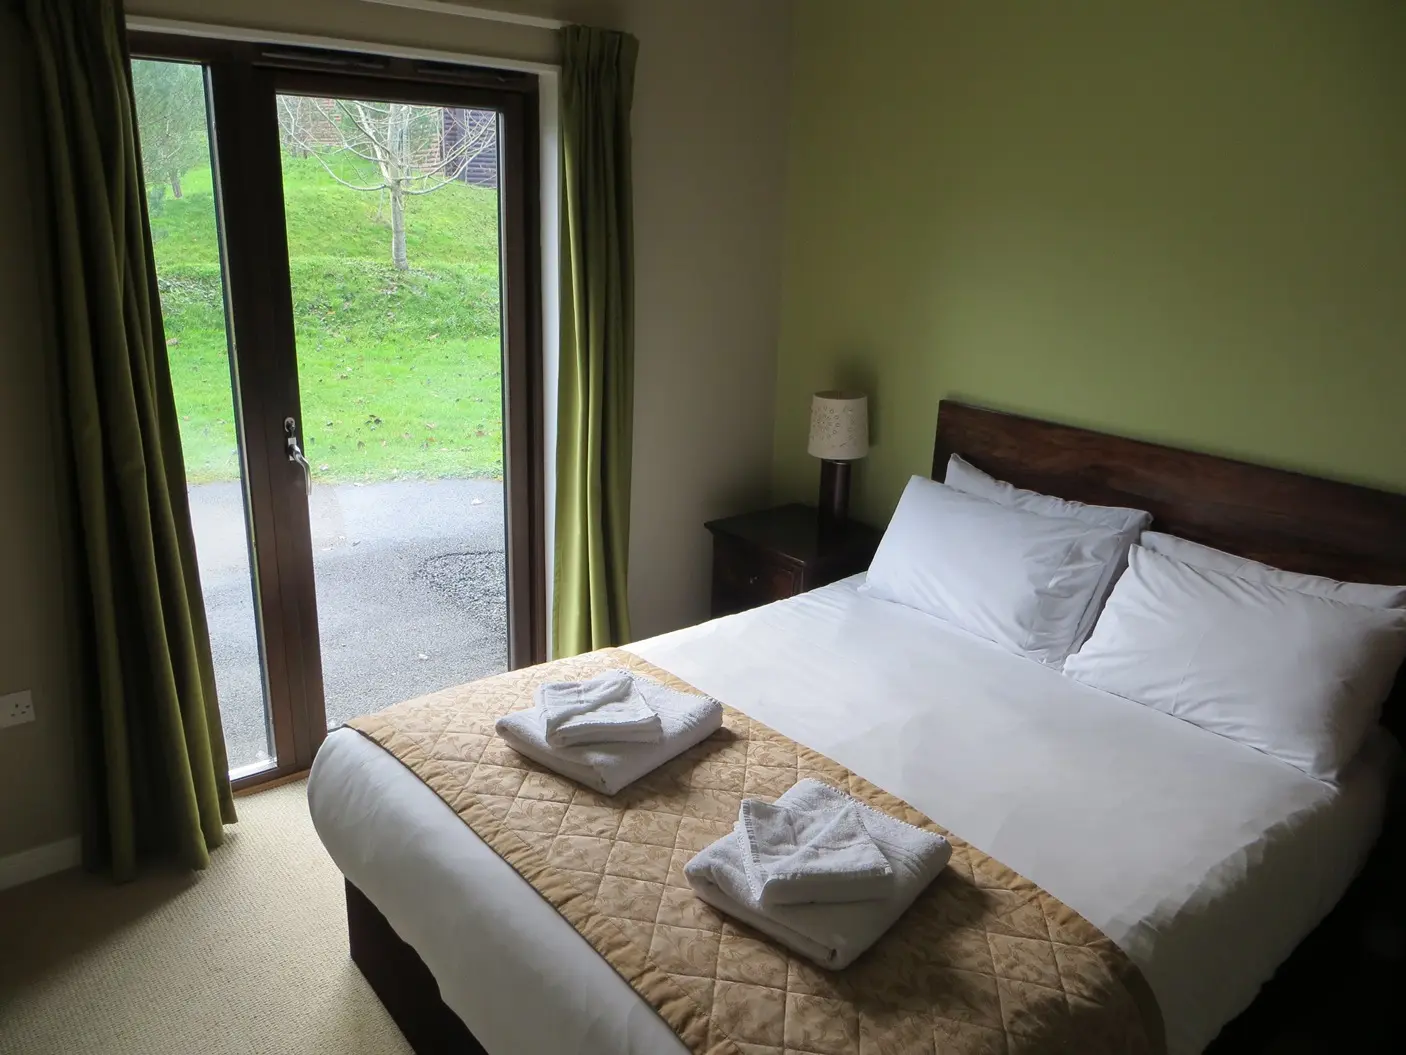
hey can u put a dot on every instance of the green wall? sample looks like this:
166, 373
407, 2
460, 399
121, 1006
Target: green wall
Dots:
1183, 222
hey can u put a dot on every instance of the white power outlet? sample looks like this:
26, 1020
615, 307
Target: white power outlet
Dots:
16, 708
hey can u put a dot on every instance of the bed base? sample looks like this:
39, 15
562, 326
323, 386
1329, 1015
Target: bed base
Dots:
403, 983
410, 994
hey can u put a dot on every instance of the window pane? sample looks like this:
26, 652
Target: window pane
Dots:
173, 129
393, 241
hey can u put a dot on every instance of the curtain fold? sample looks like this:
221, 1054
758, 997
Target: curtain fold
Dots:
596, 380
158, 773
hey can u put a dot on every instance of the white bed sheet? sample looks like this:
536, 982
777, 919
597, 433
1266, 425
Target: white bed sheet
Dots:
1203, 859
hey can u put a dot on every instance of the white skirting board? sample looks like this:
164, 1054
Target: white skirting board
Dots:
39, 862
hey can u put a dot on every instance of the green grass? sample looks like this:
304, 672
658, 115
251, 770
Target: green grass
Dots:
399, 372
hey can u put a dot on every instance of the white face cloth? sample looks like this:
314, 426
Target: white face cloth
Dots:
833, 935
685, 719
606, 708
798, 856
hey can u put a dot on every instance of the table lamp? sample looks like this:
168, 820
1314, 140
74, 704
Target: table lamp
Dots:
839, 435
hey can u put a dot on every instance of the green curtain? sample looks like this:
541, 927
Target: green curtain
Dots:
596, 379
158, 774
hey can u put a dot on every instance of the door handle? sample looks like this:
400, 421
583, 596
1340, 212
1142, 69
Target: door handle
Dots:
295, 453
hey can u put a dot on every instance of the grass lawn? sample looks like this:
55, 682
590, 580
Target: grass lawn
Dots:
399, 372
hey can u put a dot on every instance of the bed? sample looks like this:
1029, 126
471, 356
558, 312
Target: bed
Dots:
1205, 861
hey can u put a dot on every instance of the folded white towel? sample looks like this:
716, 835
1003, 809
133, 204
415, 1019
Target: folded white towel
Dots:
685, 719
804, 856
834, 935
606, 708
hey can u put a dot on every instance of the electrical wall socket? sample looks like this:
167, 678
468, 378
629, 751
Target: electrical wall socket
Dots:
16, 708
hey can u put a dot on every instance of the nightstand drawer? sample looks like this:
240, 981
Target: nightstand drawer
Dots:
773, 554
744, 577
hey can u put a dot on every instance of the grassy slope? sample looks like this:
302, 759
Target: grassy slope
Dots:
399, 371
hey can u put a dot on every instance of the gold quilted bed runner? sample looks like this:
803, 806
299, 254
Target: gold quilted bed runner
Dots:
983, 962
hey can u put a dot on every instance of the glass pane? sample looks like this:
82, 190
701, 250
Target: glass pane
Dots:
172, 126
393, 243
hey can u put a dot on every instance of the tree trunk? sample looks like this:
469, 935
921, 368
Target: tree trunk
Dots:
175, 183
398, 228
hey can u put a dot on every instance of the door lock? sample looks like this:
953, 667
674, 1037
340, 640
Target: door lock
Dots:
295, 453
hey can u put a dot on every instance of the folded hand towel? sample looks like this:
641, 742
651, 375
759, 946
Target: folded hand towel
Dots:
833, 935
685, 719
606, 708
801, 856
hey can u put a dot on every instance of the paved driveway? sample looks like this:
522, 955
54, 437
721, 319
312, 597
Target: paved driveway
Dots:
411, 595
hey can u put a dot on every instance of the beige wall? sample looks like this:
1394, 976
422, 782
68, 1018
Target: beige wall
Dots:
709, 128
37, 786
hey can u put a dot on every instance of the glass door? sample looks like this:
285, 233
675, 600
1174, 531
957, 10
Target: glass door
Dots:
172, 104
392, 211
362, 277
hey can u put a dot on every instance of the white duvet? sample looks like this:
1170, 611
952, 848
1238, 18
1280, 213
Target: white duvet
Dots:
1205, 860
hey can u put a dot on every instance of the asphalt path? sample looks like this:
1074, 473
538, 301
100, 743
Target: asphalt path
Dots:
411, 596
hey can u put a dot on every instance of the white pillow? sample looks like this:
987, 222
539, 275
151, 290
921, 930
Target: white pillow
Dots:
1012, 577
1129, 523
1199, 556
1292, 674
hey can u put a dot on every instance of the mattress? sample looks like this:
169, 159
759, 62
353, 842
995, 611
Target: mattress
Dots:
1205, 860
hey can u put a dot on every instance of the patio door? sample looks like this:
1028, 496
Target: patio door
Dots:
347, 253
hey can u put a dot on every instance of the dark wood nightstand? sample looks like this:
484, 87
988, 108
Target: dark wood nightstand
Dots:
778, 553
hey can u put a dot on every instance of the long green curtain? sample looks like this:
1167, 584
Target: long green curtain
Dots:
596, 380
158, 774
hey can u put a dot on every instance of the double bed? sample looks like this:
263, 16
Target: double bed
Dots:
1205, 861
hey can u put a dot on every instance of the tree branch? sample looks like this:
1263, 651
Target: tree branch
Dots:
345, 183
426, 190
359, 122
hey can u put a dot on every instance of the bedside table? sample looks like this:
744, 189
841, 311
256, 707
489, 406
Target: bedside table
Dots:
778, 553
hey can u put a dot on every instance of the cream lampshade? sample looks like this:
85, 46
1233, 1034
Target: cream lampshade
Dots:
839, 435
839, 426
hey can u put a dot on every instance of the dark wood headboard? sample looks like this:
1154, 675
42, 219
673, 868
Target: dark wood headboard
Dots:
1302, 523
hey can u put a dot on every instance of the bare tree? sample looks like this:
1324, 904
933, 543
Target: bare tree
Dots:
298, 117
397, 148
170, 103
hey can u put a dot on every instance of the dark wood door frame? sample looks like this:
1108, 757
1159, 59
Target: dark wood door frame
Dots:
243, 81
252, 232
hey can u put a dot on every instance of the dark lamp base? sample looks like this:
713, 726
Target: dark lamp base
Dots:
834, 492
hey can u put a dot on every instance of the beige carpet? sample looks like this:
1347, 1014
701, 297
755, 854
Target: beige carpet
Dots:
249, 957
